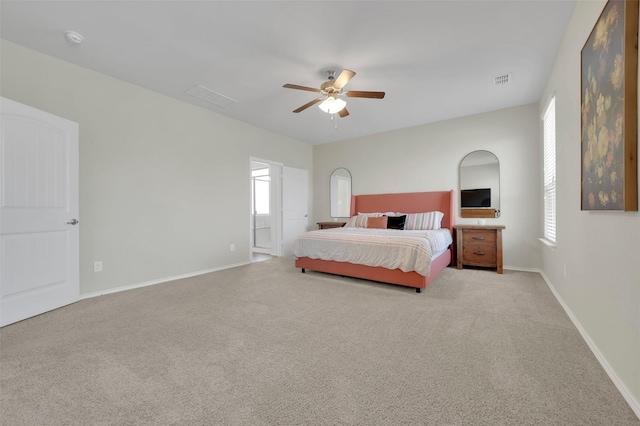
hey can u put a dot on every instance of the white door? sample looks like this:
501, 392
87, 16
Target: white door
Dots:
38, 212
295, 217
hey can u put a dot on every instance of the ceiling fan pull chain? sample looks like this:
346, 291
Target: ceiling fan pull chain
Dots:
332, 118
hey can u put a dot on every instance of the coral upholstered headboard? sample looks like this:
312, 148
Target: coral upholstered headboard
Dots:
407, 202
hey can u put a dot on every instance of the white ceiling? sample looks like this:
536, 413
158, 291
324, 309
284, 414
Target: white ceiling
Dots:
434, 59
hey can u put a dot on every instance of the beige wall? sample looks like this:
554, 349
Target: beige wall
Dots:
164, 185
600, 250
426, 158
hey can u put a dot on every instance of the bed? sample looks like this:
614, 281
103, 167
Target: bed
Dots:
413, 202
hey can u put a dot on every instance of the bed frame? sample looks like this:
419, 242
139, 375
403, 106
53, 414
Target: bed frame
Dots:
410, 202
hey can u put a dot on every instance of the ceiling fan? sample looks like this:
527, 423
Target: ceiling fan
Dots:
331, 90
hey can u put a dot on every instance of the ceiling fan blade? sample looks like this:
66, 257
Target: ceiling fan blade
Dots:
361, 94
295, 86
343, 79
343, 112
308, 104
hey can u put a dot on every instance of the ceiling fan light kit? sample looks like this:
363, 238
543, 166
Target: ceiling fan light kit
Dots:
330, 102
332, 105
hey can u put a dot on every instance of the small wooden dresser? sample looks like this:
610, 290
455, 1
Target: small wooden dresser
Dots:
479, 245
327, 225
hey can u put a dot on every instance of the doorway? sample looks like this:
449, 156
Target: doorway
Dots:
261, 219
265, 212
279, 208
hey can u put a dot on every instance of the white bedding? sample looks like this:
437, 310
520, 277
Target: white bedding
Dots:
387, 248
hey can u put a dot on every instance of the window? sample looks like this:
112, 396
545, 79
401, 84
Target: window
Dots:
549, 172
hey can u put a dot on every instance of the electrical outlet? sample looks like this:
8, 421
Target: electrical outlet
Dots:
232, 247
97, 266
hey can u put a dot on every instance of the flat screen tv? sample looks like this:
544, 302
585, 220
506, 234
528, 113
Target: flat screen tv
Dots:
475, 198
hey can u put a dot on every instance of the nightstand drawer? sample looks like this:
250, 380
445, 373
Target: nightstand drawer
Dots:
479, 255
479, 236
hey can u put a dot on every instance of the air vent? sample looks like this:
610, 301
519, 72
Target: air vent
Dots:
210, 96
501, 80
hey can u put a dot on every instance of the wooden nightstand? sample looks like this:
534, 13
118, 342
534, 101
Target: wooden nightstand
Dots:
479, 245
327, 225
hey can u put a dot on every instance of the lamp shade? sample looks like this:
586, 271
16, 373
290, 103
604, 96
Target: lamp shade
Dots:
332, 105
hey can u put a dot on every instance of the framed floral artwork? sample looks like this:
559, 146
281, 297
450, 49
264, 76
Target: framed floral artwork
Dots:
609, 107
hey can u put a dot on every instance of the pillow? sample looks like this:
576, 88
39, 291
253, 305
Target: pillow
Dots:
396, 222
358, 221
427, 220
377, 222
361, 221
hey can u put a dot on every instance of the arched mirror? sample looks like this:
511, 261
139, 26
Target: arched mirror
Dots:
480, 185
340, 193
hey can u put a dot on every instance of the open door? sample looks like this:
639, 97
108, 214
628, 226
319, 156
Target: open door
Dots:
39, 235
295, 205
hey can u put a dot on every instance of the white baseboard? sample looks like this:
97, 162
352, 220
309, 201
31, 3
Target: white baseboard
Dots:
520, 268
628, 396
158, 281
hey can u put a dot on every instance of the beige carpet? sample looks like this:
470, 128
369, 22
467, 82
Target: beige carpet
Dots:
264, 344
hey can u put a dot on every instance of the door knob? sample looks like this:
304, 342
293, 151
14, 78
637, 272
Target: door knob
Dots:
72, 222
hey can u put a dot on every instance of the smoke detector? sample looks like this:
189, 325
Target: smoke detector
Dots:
73, 37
